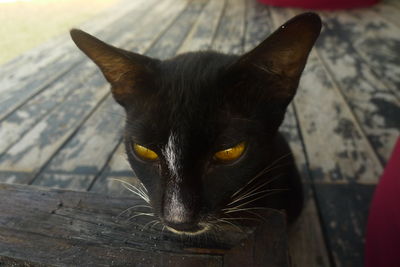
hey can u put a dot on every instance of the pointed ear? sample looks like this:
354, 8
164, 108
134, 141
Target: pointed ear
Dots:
284, 53
124, 70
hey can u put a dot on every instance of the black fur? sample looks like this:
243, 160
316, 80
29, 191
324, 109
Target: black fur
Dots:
211, 101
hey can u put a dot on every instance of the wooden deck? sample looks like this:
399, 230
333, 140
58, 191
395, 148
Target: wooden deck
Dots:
60, 128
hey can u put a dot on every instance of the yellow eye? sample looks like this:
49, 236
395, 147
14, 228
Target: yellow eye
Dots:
230, 154
145, 153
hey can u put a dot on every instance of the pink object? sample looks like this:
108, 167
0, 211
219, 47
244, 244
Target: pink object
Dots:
320, 4
382, 247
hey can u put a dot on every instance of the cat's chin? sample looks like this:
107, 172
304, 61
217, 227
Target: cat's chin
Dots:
198, 230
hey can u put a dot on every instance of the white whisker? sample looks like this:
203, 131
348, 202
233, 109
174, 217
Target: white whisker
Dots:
148, 224
137, 191
136, 206
141, 214
263, 171
250, 201
230, 223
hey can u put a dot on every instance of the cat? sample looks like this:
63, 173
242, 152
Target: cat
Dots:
202, 127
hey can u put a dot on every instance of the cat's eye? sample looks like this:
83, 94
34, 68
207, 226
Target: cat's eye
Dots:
230, 154
145, 153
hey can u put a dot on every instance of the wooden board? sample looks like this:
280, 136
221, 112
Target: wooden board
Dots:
344, 209
85, 229
361, 82
172, 39
306, 241
230, 32
203, 31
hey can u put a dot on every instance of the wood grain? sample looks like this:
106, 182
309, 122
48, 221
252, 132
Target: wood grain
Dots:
172, 38
202, 33
76, 165
306, 241
365, 84
75, 229
230, 33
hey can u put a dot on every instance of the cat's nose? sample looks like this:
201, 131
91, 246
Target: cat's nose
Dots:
180, 217
184, 220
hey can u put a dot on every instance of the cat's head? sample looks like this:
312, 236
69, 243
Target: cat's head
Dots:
200, 125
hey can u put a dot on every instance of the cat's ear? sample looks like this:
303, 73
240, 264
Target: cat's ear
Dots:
284, 53
125, 71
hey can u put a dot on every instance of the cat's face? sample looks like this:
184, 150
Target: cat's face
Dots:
200, 125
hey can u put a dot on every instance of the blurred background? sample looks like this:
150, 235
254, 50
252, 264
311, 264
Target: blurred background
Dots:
28, 23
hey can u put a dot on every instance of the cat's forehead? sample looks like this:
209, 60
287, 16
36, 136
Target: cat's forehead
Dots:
191, 68
189, 101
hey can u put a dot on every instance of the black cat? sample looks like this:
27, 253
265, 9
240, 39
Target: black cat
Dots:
202, 128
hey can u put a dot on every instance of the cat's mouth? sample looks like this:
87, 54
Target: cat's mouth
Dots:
189, 230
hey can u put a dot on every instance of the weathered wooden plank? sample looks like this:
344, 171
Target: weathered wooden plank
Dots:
172, 38
258, 24
19, 89
88, 151
344, 209
96, 218
35, 148
374, 105
202, 33
82, 228
388, 12
78, 253
257, 251
306, 242
324, 115
375, 42
22, 120
82, 158
230, 33
23, 160
393, 3
117, 168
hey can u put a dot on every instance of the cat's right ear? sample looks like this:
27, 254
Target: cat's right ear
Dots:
279, 60
126, 71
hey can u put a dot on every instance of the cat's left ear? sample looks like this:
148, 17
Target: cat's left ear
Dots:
284, 53
126, 71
